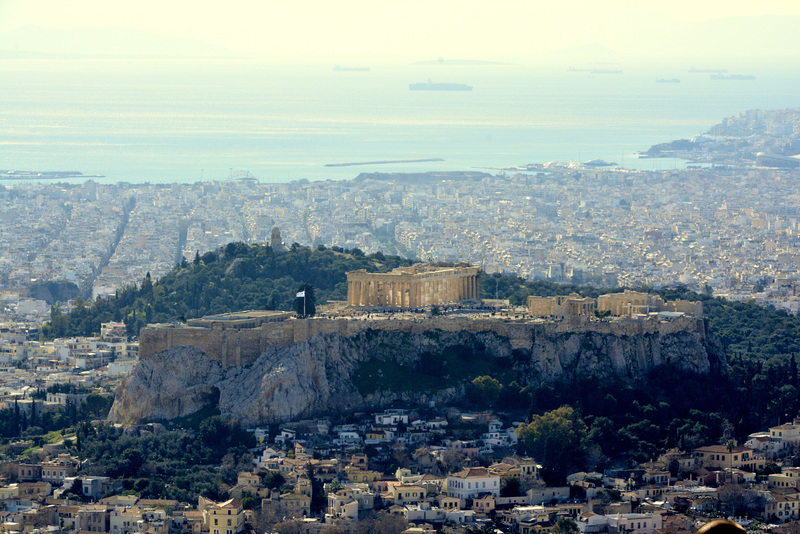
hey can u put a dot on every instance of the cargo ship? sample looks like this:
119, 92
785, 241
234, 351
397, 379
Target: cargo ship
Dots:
707, 71
339, 68
431, 86
732, 77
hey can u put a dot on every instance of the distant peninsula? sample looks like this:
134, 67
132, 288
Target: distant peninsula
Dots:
459, 62
387, 162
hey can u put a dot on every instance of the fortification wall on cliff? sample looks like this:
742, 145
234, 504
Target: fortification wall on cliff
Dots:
240, 347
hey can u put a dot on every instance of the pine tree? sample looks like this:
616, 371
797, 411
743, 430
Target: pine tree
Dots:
33, 413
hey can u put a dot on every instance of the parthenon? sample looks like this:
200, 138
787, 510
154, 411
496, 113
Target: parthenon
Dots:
410, 287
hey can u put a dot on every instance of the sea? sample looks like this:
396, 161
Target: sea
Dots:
163, 121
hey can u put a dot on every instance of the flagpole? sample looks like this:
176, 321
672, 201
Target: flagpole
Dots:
304, 303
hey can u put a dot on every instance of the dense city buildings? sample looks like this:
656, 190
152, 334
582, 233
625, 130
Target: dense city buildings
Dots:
733, 231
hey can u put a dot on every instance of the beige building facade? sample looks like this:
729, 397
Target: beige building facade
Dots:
625, 304
630, 303
561, 306
411, 287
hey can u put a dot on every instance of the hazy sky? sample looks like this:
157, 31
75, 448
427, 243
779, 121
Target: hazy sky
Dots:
419, 29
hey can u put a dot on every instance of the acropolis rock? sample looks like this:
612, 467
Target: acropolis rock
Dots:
293, 368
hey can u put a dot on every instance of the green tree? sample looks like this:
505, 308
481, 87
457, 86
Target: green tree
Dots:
59, 323
510, 487
555, 438
565, 525
484, 390
147, 285
274, 480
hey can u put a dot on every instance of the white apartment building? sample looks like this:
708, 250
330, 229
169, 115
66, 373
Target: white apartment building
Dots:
472, 481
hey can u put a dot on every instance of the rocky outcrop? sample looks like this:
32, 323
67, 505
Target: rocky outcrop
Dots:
318, 375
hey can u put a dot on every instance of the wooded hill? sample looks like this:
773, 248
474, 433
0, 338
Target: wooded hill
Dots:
233, 278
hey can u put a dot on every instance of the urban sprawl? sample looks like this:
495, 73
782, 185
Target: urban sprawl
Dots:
729, 227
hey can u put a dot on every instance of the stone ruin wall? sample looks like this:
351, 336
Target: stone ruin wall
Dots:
241, 347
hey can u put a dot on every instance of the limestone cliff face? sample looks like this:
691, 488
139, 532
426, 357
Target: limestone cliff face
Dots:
317, 375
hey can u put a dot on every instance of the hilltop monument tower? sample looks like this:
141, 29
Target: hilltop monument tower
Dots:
275, 240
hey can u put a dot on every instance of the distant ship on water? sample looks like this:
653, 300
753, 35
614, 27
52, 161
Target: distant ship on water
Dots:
732, 77
339, 68
707, 71
431, 86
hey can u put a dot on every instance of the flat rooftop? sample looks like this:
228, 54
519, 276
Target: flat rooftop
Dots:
243, 319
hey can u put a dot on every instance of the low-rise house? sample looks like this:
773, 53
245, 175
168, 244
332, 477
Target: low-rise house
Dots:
96, 487
392, 418
781, 507
34, 490
9, 492
341, 506
548, 495
136, 520
191, 523
788, 478
483, 504
683, 496
651, 491
468, 483
67, 517
94, 517
287, 435
268, 458
222, 518
59, 469
54, 471
448, 503
787, 436
288, 505
719, 457
124, 520
438, 423
763, 444
404, 494
358, 475
460, 517
639, 523
423, 512
347, 502
591, 523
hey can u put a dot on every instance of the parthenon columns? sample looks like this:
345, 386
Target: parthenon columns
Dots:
410, 287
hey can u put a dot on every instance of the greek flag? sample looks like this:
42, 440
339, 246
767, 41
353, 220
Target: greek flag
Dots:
301, 294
